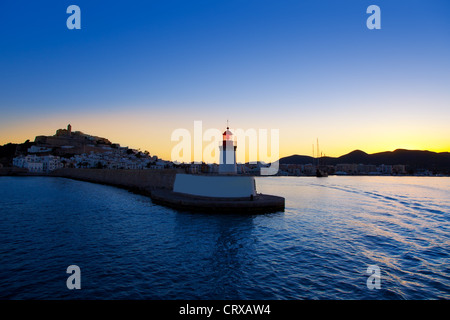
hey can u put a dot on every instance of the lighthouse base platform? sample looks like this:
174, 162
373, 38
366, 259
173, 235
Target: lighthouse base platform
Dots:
259, 203
221, 186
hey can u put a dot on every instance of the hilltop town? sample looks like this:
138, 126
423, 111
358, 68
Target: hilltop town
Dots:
68, 149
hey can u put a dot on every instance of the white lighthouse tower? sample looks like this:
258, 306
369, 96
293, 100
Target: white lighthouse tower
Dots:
227, 164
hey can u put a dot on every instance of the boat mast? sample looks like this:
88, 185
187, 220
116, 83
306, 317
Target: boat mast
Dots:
318, 154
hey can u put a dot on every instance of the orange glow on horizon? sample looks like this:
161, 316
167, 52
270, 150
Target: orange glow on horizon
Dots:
144, 133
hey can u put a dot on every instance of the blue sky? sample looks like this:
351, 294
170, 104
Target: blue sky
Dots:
310, 68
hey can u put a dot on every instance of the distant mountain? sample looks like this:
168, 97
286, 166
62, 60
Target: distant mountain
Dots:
297, 159
356, 156
414, 159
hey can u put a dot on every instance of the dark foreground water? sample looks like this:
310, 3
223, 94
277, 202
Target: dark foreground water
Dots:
332, 230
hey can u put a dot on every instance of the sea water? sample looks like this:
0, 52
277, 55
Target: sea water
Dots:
325, 245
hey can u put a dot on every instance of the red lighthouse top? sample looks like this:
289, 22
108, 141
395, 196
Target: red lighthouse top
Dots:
227, 135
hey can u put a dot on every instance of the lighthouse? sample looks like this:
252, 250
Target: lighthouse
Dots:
227, 164
226, 192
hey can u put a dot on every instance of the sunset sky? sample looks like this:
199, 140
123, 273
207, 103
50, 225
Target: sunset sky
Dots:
138, 70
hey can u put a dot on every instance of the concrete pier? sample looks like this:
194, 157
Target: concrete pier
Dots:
261, 203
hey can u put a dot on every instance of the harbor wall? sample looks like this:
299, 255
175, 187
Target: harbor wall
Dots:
11, 171
143, 181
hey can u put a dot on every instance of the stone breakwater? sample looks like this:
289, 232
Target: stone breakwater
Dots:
11, 171
142, 181
158, 184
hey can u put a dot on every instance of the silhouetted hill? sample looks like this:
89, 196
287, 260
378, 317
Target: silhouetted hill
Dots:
356, 156
9, 150
413, 159
297, 159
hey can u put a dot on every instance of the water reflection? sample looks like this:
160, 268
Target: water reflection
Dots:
222, 246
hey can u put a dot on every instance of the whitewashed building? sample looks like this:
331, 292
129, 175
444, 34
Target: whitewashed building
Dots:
37, 167
41, 164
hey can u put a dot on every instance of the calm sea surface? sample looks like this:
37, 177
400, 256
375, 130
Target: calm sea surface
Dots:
320, 247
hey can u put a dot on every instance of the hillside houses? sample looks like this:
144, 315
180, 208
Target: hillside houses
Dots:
114, 159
